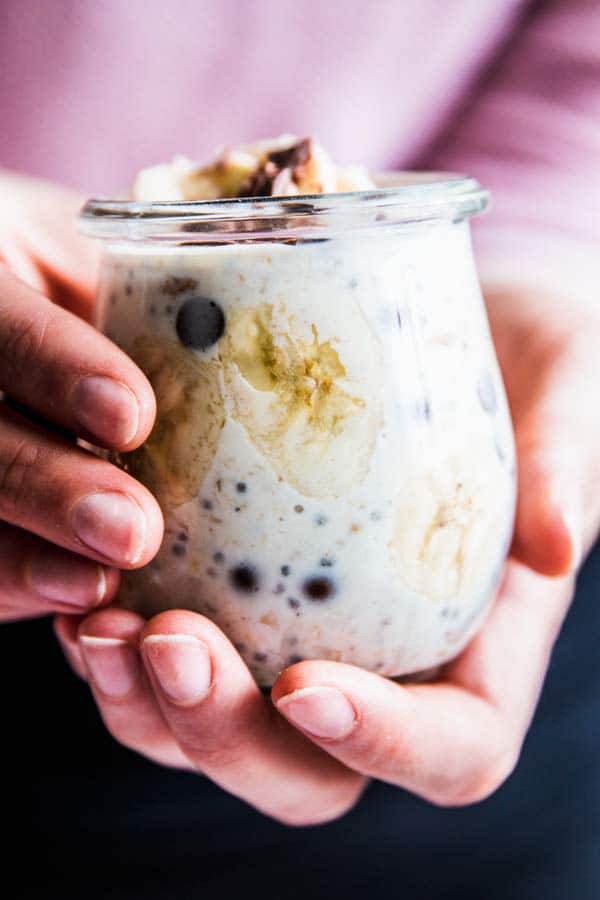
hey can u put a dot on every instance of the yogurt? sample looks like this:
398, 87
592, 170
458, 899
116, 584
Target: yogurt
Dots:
333, 451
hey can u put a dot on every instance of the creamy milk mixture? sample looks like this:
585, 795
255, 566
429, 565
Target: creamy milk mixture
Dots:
333, 450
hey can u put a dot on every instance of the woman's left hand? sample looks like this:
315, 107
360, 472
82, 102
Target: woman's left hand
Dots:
175, 689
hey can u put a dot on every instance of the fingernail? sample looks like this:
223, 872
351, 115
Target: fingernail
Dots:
71, 581
113, 664
324, 712
107, 409
181, 664
111, 524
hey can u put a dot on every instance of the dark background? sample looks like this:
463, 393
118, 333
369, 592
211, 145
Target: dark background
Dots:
86, 818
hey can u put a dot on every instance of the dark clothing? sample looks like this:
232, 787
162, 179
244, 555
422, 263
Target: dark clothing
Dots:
89, 819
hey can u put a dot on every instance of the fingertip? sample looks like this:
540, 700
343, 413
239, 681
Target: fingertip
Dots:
294, 678
141, 388
178, 621
184, 630
153, 529
122, 624
547, 536
307, 673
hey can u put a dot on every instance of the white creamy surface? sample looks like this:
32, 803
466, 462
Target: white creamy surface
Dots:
395, 488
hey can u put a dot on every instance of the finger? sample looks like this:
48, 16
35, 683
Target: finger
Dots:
16, 258
38, 218
37, 578
108, 647
223, 724
66, 629
64, 369
74, 499
452, 742
559, 500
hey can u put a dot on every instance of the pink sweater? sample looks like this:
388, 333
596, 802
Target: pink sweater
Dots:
506, 90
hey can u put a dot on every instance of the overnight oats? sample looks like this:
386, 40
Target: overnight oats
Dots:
333, 451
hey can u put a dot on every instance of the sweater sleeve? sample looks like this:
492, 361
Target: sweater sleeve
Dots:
532, 135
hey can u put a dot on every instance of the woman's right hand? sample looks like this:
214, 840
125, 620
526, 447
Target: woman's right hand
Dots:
68, 520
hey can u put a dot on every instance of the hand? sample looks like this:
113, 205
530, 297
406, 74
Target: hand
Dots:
67, 518
175, 690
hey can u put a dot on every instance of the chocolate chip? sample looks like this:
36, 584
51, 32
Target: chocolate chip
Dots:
298, 508
219, 557
326, 562
285, 570
293, 602
259, 657
261, 183
292, 156
200, 323
319, 588
244, 578
207, 504
241, 487
178, 549
487, 393
182, 536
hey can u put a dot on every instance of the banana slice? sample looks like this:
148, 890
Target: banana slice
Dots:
445, 538
177, 455
312, 419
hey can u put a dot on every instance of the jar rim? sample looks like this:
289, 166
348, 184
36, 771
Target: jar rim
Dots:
398, 198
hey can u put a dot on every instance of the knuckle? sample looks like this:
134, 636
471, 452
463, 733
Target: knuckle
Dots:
22, 339
16, 464
215, 745
302, 814
303, 808
479, 783
207, 752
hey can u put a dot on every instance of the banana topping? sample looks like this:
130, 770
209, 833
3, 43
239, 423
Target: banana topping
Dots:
175, 458
293, 396
282, 166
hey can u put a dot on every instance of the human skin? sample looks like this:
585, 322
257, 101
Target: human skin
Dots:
173, 688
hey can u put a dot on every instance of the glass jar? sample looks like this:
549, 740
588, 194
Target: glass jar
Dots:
333, 451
